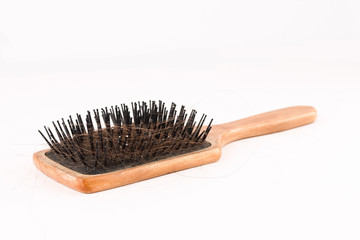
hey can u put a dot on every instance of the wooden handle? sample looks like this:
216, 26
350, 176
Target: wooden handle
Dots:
270, 122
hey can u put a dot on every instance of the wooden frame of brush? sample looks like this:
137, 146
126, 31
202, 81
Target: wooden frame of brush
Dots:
219, 136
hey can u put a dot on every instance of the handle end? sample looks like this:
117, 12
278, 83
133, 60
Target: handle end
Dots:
266, 123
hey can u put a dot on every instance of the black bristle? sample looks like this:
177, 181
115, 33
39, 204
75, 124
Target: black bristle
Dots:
146, 133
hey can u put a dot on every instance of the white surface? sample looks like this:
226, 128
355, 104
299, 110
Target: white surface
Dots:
229, 59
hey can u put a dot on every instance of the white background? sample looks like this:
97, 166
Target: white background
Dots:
228, 59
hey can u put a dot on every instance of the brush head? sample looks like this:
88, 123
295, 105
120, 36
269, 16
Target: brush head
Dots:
121, 138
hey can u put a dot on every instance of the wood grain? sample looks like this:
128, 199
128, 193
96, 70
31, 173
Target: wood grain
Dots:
220, 135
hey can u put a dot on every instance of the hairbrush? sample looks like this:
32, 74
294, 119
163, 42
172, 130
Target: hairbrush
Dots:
121, 145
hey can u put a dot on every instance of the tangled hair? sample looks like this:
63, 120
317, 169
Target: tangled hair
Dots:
152, 133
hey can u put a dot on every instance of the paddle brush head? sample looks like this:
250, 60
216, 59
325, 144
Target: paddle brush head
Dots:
119, 138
